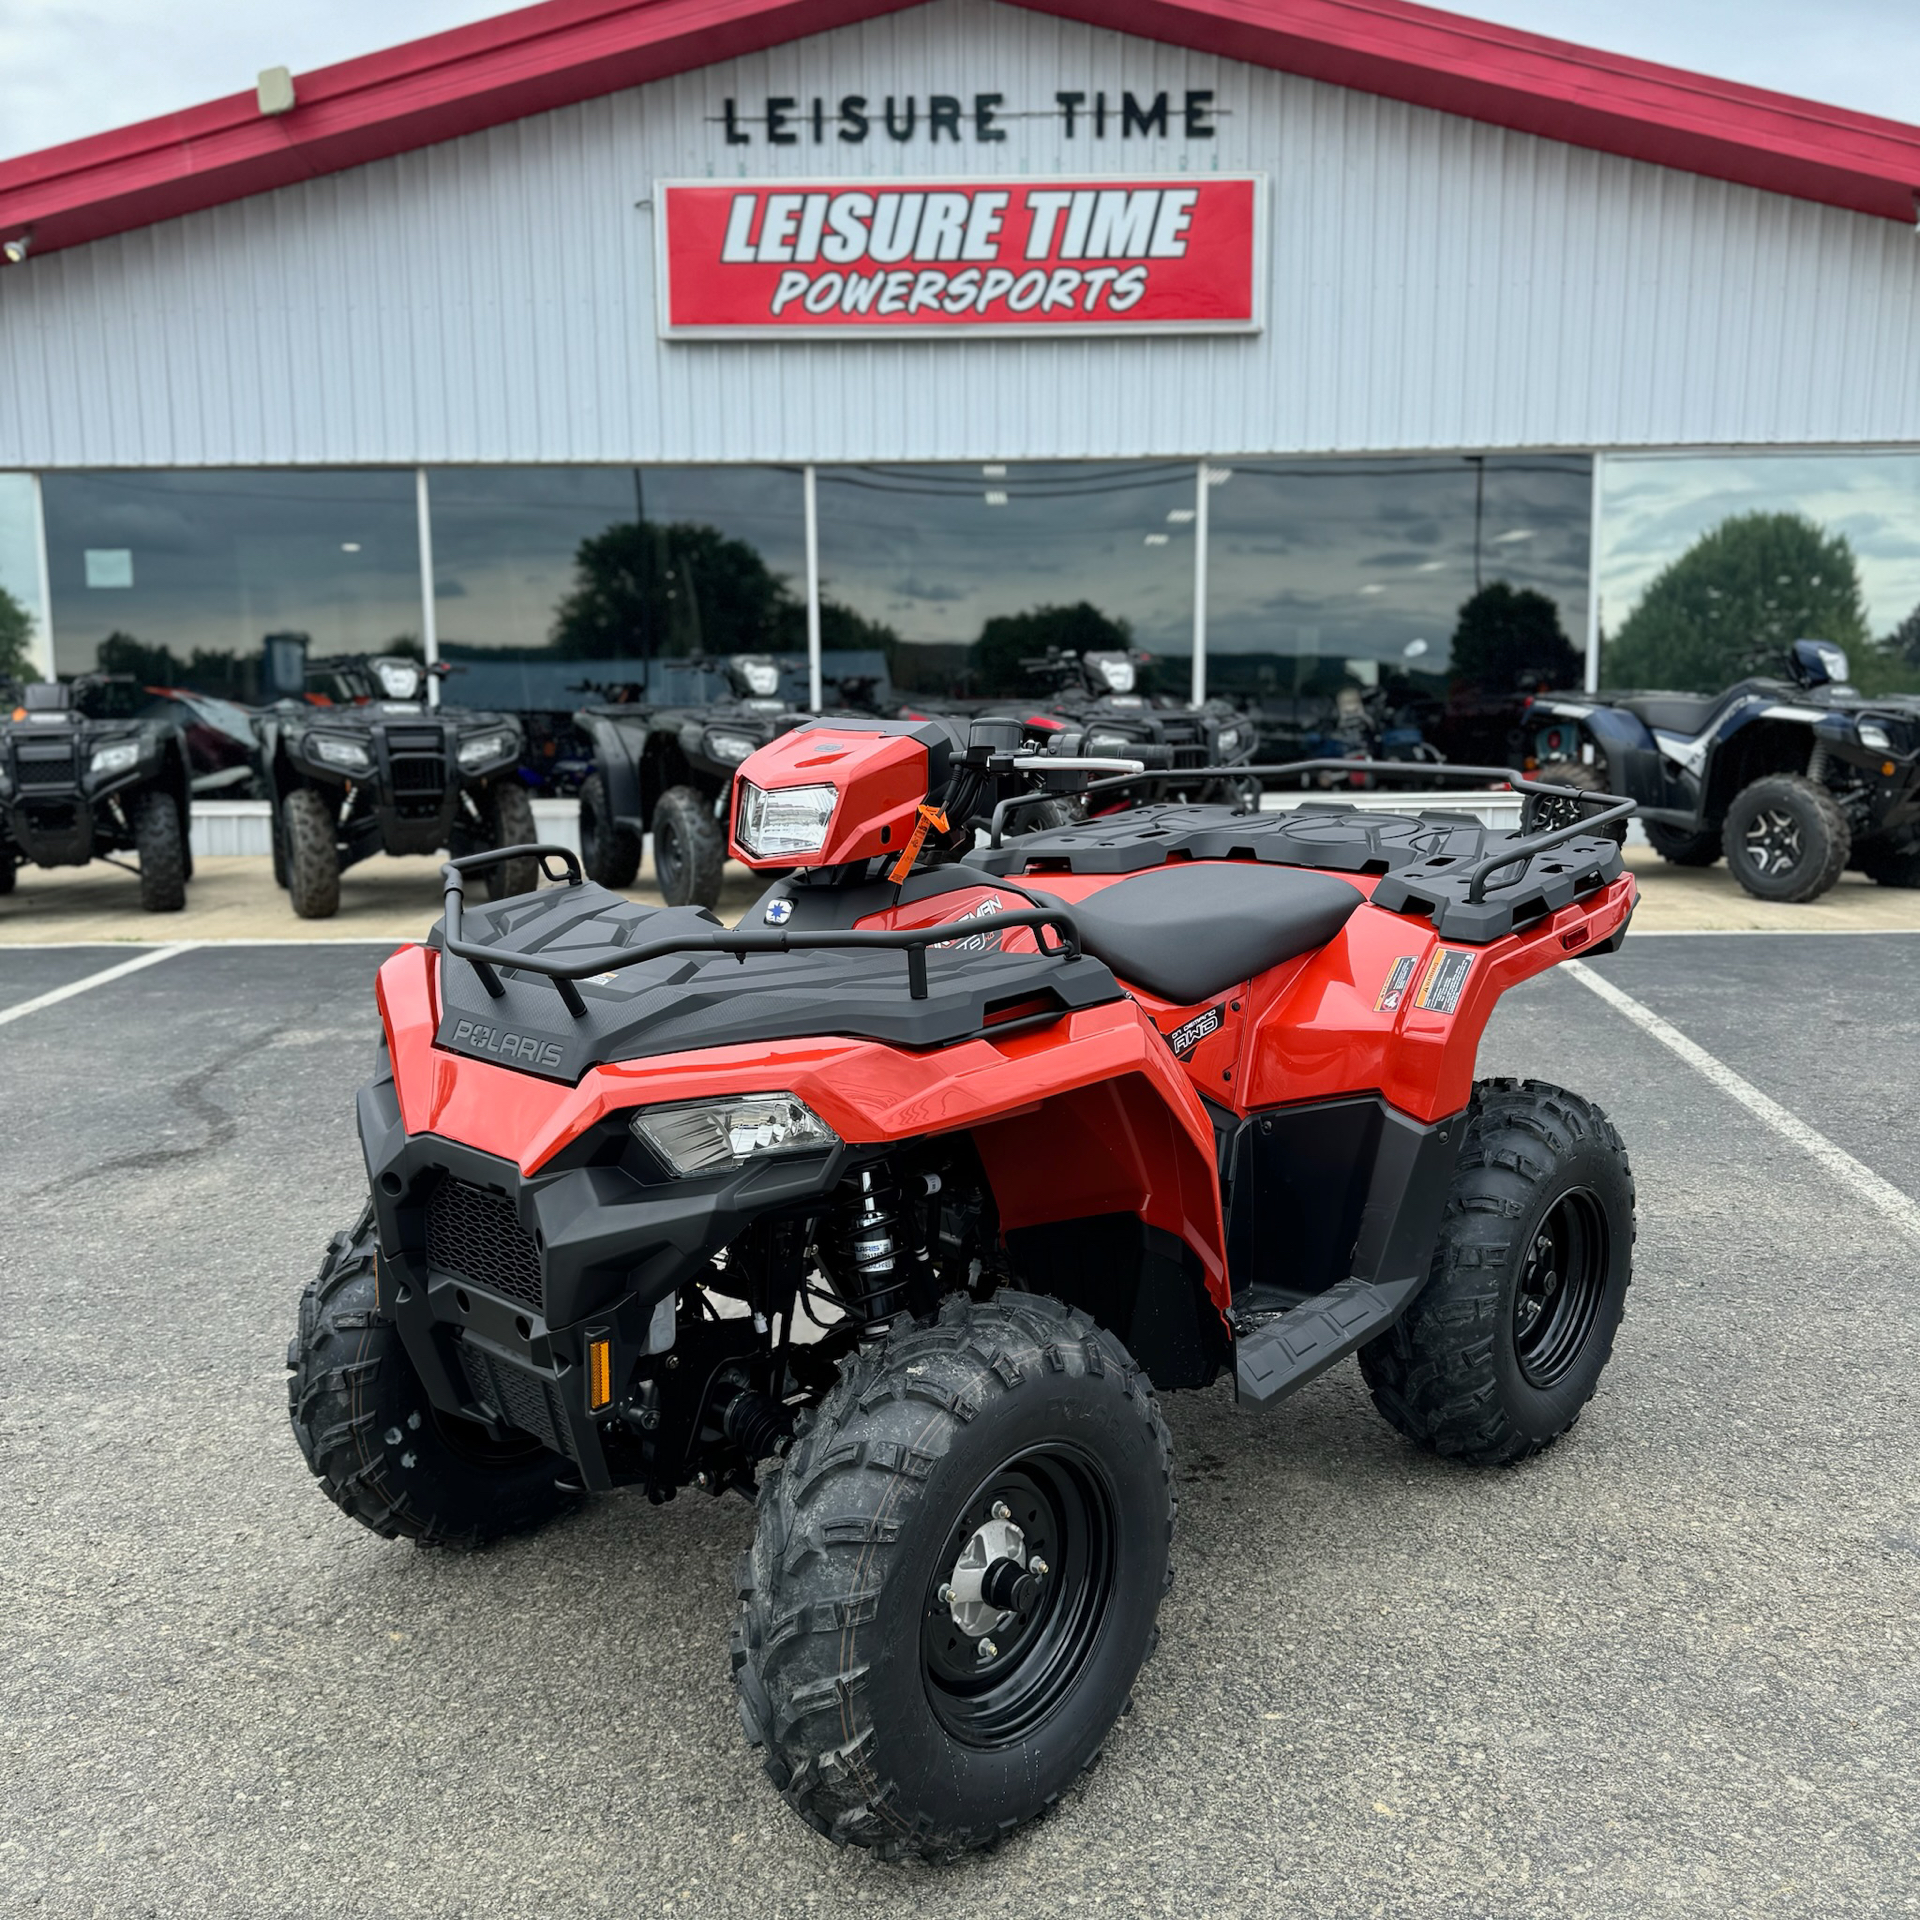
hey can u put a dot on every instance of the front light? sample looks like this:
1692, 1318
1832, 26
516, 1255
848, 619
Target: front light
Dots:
116, 758
1231, 740
1875, 736
729, 748
710, 1135
336, 752
484, 747
777, 821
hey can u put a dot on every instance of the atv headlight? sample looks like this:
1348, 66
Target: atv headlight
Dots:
1875, 736
729, 748
775, 821
483, 747
1231, 739
336, 752
709, 1135
116, 758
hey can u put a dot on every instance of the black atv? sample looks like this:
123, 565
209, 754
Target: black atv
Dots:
77, 786
666, 769
1096, 693
362, 765
1793, 779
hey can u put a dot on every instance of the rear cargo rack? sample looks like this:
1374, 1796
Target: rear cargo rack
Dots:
1518, 854
563, 972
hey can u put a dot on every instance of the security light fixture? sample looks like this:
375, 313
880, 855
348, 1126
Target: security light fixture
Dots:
13, 251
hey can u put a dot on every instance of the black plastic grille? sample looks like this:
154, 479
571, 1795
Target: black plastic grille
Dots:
476, 1235
48, 766
516, 1396
421, 775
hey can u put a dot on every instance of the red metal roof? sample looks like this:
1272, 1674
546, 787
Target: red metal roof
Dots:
563, 51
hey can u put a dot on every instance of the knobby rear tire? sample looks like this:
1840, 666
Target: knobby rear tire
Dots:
856, 1531
689, 849
609, 852
381, 1453
1452, 1374
1679, 848
509, 817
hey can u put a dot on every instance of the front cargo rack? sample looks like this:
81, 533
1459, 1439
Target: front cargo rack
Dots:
581, 965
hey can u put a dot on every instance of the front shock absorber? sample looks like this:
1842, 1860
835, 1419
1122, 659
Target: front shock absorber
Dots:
868, 1248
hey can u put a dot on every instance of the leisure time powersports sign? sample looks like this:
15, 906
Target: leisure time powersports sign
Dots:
1113, 254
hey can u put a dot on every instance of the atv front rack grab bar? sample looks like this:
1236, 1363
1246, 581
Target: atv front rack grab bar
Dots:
1519, 854
564, 971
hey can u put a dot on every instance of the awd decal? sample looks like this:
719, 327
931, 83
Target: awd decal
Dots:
1396, 988
1446, 977
508, 1046
1184, 1039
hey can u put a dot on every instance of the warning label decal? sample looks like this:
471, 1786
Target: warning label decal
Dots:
1396, 988
1446, 978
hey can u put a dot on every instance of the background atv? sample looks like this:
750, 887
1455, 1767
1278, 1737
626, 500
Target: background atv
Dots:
362, 765
1791, 780
667, 770
982, 1155
75, 787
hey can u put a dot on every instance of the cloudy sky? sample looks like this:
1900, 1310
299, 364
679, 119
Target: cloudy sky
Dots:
74, 67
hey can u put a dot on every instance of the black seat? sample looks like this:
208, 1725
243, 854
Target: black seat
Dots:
1187, 933
1692, 713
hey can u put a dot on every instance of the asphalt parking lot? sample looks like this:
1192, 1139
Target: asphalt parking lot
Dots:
1673, 1666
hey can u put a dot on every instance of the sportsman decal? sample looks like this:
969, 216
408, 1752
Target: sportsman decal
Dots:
982, 942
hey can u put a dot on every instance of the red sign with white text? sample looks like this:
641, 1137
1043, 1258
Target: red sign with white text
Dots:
771, 259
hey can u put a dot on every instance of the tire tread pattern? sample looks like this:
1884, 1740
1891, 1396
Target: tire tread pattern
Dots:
162, 846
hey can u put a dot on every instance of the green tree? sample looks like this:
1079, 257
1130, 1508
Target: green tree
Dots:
1008, 638
1903, 643
16, 639
1748, 588
644, 589
1504, 632
152, 666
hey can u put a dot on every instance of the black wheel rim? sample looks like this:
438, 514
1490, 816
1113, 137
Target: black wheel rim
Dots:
1562, 1281
666, 857
1064, 1505
1773, 841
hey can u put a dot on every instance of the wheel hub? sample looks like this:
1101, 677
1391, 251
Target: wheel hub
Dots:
1773, 841
990, 1582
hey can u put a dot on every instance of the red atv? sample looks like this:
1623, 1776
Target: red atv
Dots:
909, 1197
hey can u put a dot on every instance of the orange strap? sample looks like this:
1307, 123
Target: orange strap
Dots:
929, 817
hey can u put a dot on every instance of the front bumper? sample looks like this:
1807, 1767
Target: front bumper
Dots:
497, 1280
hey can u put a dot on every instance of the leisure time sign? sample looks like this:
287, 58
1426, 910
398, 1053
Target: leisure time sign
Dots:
1112, 254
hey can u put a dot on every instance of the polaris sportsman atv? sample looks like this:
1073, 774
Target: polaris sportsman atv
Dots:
1792, 782
362, 765
76, 787
667, 770
908, 1198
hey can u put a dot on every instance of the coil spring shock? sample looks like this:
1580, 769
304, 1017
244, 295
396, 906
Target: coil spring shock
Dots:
865, 1250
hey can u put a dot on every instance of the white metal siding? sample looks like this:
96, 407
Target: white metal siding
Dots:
1435, 283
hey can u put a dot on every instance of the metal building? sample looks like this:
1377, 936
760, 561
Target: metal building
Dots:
461, 307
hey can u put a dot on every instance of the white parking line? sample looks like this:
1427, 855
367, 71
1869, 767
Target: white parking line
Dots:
92, 980
1878, 1193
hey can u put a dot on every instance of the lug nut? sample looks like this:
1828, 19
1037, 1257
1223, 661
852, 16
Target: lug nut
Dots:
945, 1595
1039, 1566
985, 1651
1001, 1511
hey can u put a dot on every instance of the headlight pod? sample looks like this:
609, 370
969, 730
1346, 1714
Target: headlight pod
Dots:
484, 747
776, 821
1874, 736
729, 748
331, 750
710, 1136
1230, 741
116, 758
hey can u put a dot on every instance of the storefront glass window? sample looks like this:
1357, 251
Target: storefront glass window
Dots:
179, 578
1711, 566
548, 577
22, 617
1457, 581
961, 572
